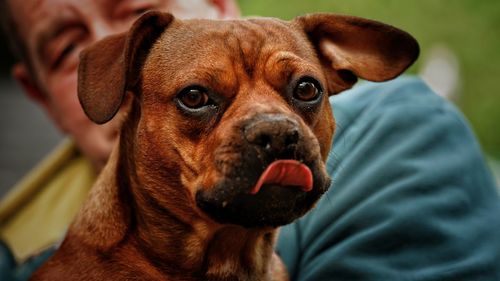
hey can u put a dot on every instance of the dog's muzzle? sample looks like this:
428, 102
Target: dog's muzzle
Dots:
279, 177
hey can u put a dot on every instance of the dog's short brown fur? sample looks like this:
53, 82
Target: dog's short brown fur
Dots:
209, 105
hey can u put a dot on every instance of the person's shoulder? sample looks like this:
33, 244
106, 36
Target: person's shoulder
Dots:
406, 100
372, 98
378, 96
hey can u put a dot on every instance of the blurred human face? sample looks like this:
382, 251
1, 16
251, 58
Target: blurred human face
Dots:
55, 31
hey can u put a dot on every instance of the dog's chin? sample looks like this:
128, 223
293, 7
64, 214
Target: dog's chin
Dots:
272, 206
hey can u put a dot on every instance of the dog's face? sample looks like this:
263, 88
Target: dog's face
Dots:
230, 120
231, 99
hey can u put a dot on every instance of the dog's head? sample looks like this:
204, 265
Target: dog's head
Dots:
230, 120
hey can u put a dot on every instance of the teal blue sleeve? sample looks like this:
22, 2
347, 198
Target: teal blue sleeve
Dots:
7, 263
411, 197
11, 271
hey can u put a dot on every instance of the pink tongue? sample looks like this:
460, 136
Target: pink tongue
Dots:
286, 173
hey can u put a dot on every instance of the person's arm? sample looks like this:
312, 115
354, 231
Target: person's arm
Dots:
411, 198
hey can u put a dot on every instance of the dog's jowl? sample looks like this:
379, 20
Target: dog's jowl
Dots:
226, 126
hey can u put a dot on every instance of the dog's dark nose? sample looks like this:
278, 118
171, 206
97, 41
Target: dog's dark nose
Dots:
273, 133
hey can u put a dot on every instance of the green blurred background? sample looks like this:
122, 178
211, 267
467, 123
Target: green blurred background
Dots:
469, 28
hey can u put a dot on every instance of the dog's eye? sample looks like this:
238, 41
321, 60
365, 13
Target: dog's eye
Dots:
307, 89
194, 98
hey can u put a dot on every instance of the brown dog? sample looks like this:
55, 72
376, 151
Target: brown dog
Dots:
225, 138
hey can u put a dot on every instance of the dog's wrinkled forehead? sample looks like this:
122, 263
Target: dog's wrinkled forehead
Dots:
247, 41
213, 50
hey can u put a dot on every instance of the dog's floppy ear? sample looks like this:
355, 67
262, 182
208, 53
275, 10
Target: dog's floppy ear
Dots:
351, 47
112, 66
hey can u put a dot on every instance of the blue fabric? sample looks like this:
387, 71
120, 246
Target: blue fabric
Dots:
411, 197
7, 263
10, 271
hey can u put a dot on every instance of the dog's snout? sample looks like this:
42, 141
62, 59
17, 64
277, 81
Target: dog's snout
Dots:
273, 133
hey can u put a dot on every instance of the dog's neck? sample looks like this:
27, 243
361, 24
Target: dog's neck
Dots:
225, 253
200, 250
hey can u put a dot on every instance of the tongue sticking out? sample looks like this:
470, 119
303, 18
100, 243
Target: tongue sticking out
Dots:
286, 173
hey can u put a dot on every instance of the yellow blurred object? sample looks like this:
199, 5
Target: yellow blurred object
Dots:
38, 210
